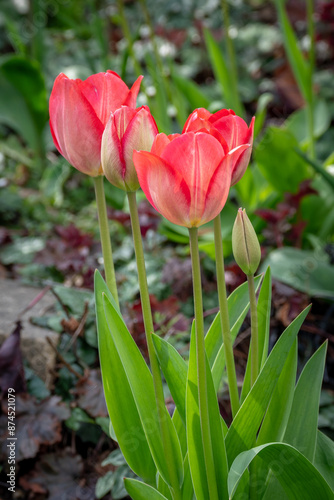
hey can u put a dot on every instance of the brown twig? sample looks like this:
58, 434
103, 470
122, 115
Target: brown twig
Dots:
62, 359
34, 301
79, 328
61, 303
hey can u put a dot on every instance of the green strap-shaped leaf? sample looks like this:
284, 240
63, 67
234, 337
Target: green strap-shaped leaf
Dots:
175, 372
175, 368
193, 426
187, 487
192, 92
324, 458
124, 416
318, 168
141, 491
263, 314
223, 74
298, 477
163, 488
297, 62
301, 431
242, 432
275, 421
277, 416
219, 67
141, 383
194, 432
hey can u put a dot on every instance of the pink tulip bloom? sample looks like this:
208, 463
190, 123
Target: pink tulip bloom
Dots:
79, 111
233, 132
187, 177
126, 130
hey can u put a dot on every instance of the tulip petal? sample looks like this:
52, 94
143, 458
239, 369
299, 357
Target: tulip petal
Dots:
111, 155
122, 118
219, 186
233, 128
139, 134
196, 120
74, 125
106, 92
250, 135
241, 163
55, 141
164, 187
159, 143
200, 121
195, 157
133, 93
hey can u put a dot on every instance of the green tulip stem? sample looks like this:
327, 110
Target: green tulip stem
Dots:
148, 323
224, 318
201, 366
254, 330
105, 237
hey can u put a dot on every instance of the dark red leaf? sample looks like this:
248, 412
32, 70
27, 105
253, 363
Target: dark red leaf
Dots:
11, 364
37, 424
89, 392
59, 475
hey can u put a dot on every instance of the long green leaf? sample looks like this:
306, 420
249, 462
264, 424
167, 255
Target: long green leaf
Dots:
277, 416
187, 487
175, 371
175, 368
194, 433
301, 431
324, 458
242, 432
299, 66
275, 422
192, 92
299, 478
263, 313
141, 383
193, 426
141, 491
125, 419
220, 69
318, 168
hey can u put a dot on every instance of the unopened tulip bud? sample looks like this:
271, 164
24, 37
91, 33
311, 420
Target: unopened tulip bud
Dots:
246, 247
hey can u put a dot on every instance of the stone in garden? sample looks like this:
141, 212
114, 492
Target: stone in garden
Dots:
14, 298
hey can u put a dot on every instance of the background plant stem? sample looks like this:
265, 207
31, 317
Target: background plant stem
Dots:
201, 365
310, 104
238, 107
148, 323
109, 269
128, 37
224, 318
254, 330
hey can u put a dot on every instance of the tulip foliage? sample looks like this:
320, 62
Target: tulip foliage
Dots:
272, 447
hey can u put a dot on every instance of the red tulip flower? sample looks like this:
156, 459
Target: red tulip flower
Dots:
187, 177
126, 130
229, 129
79, 111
